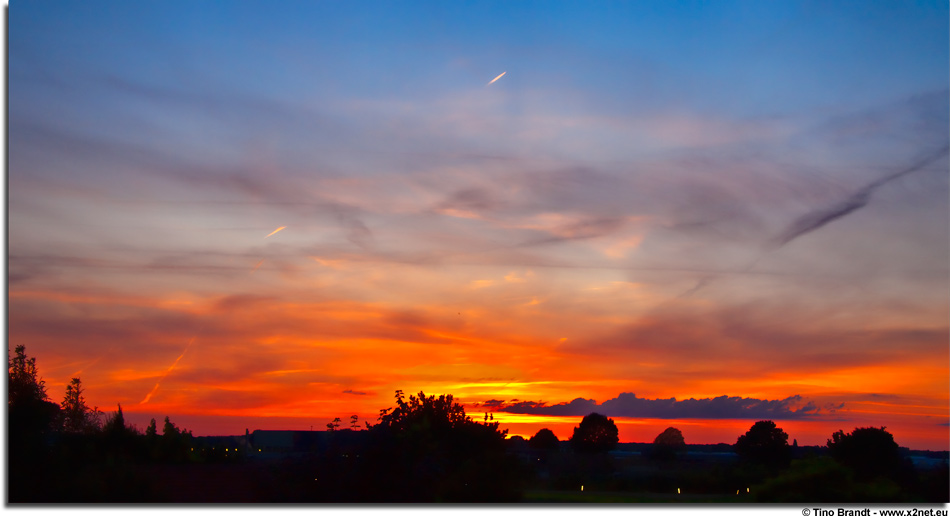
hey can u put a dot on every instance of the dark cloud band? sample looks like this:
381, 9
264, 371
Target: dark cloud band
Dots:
628, 404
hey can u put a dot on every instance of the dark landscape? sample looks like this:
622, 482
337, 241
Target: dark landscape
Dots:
425, 449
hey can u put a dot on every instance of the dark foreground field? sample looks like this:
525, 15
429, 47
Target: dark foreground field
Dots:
558, 477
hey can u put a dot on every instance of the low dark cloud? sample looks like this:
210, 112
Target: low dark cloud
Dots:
492, 404
627, 404
355, 393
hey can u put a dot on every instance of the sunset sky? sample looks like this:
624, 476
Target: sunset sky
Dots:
739, 205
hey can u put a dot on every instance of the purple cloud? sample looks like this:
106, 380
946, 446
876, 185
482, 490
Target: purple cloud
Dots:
627, 404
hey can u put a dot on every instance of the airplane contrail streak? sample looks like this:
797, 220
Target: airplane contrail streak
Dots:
149, 395
496, 78
859, 199
276, 230
819, 218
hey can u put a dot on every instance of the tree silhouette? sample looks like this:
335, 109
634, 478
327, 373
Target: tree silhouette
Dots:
31, 420
427, 449
766, 444
78, 418
869, 452
596, 434
115, 424
23, 385
152, 429
170, 430
30, 411
121, 443
174, 443
668, 444
544, 440
437, 413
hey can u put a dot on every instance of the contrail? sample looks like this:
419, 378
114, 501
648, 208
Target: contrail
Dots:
819, 218
496, 78
276, 230
149, 395
190, 342
816, 219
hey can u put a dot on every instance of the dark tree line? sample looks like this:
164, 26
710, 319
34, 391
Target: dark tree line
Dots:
426, 449
70, 452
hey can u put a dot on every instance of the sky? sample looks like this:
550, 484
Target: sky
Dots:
257, 215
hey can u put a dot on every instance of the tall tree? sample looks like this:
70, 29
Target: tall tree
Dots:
30, 411
596, 434
24, 385
31, 418
152, 431
115, 424
170, 430
764, 443
77, 416
175, 443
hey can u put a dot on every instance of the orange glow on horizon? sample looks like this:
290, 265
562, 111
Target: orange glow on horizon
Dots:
299, 356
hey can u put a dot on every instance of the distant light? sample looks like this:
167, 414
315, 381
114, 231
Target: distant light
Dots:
677, 490
582, 488
737, 491
747, 489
